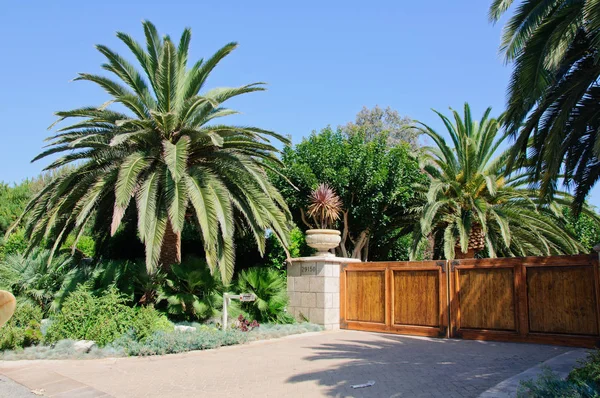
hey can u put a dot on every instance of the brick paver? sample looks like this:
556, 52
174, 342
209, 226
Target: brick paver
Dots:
322, 364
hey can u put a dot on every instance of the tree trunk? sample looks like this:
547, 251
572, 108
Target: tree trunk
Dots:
170, 252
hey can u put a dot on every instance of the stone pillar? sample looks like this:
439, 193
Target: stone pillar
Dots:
313, 285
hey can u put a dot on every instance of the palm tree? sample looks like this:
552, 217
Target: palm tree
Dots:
471, 206
554, 92
167, 151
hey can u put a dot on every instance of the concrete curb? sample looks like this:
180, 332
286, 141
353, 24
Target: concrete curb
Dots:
561, 364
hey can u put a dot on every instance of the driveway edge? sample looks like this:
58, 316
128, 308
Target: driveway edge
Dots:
561, 364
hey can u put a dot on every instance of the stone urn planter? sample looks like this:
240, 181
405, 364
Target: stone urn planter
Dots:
8, 304
323, 240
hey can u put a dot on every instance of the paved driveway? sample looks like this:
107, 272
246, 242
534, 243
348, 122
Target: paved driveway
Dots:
321, 364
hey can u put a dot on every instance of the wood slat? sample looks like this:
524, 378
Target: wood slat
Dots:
416, 298
487, 298
562, 300
365, 296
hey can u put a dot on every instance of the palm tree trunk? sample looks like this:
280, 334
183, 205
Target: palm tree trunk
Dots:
170, 252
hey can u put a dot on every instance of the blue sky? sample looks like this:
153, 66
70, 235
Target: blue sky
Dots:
322, 60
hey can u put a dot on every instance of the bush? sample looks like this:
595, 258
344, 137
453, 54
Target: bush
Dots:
14, 244
103, 318
160, 343
85, 245
270, 288
23, 329
588, 374
550, 385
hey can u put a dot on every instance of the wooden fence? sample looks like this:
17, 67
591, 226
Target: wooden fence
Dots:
552, 300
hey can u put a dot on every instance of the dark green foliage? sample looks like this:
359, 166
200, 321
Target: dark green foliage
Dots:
275, 255
549, 385
269, 286
103, 318
373, 180
35, 277
191, 292
164, 155
23, 329
588, 374
86, 245
553, 92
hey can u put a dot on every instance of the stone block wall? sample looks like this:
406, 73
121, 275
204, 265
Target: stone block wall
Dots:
314, 290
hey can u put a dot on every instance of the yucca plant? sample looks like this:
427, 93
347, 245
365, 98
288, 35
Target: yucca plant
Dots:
325, 206
471, 206
269, 286
167, 152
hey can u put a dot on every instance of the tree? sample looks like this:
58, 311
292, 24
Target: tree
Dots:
373, 122
167, 151
471, 206
554, 91
373, 180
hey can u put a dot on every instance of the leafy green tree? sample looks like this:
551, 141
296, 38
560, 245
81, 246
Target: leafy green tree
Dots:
13, 200
553, 92
585, 228
373, 180
167, 152
374, 122
472, 206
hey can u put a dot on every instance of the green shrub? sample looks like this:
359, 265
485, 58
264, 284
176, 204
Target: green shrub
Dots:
84, 316
103, 318
550, 385
148, 321
86, 245
588, 374
14, 244
269, 286
23, 329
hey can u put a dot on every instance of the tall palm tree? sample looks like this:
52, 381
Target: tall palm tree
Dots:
554, 91
167, 151
471, 206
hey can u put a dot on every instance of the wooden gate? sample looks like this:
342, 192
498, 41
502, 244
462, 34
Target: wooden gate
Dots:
550, 300
398, 297
553, 300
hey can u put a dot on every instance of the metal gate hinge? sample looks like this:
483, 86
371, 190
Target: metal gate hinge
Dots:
443, 264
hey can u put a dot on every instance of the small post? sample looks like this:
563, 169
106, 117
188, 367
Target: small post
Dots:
244, 297
225, 315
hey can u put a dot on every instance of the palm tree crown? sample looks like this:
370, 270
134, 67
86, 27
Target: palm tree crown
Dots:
167, 152
471, 205
554, 92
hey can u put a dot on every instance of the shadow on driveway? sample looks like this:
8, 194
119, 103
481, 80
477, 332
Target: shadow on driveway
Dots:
418, 367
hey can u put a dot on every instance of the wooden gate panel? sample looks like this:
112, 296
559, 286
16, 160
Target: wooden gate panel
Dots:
416, 298
562, 300
398, 297
487, 299
365, 292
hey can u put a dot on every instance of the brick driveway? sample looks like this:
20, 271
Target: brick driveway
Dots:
321, 364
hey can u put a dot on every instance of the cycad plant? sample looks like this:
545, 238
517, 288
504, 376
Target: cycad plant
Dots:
553, 93
167, 153
36, 278
269, 286
472, 207
191, 292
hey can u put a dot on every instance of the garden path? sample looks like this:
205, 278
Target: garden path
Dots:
309, 365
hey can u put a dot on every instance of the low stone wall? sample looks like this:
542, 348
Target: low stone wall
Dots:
314, 289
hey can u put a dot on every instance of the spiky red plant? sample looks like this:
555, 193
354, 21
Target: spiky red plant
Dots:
325, 206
